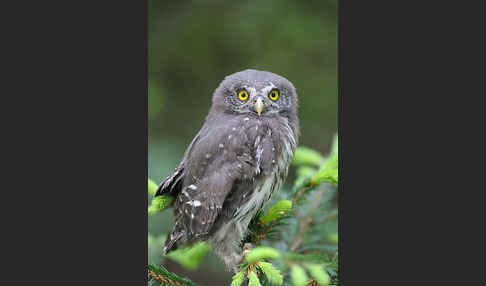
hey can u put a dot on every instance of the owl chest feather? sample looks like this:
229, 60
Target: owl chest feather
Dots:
272, 160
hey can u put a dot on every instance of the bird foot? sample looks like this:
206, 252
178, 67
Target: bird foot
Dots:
246, 249
235, 267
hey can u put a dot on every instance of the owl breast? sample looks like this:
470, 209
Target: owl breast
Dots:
274, 147
272, 143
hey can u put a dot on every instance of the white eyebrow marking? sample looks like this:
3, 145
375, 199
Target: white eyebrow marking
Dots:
268, 88
252, 90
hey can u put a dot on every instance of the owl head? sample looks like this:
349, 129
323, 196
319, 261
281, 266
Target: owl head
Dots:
256, 93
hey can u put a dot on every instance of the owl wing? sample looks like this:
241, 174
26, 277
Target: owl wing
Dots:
173, 183
197, 208
200, 204
216, 162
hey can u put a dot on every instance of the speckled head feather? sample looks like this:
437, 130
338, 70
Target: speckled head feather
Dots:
258, 83
239, 158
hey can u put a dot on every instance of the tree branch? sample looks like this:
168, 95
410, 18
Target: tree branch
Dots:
306, 221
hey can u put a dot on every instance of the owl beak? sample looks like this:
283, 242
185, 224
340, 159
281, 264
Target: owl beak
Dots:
259, 105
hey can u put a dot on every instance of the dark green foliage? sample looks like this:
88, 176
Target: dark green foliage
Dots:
258, 231
190, 257
158, 275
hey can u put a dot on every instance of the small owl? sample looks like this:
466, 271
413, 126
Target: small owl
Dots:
239, 158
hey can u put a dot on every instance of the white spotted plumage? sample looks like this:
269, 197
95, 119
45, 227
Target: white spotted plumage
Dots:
238, 159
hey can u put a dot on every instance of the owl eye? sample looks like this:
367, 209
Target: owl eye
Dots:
242, 95
273, 95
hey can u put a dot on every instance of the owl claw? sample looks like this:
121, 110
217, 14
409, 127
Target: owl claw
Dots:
246, 249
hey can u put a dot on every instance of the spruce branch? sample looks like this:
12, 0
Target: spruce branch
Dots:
263, 226
305, 257
159, 203
276, 211
307, 156
315, 264
306, 221
318, 274
190, 257
152, 187
253, 278
260, 253
272, 274
164, 277
298, 275
238, 278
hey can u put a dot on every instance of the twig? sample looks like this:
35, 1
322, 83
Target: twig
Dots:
165, 277
327, 218
307, 220
161, 278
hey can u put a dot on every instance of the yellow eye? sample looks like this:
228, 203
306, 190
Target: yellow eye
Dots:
273, 95
243, 95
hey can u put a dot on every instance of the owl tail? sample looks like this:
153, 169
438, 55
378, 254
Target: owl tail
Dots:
171, 242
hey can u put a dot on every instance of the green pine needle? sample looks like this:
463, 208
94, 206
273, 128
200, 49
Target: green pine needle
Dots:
253, 279
164, 277
159, 204
319, 274
299, 277
262, 252
276, 211
190, 257
152, 187
238, 279
333, 237
272, 274
303, 173
306, 156
310, 258
328, 173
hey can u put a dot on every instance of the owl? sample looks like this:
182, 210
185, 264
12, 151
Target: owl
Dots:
239, 158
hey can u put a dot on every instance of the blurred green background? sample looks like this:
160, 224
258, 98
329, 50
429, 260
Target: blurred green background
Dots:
193, 45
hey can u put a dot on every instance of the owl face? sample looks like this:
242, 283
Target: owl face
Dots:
255, 92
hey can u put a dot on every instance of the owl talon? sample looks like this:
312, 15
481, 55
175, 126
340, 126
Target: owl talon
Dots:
247, 247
